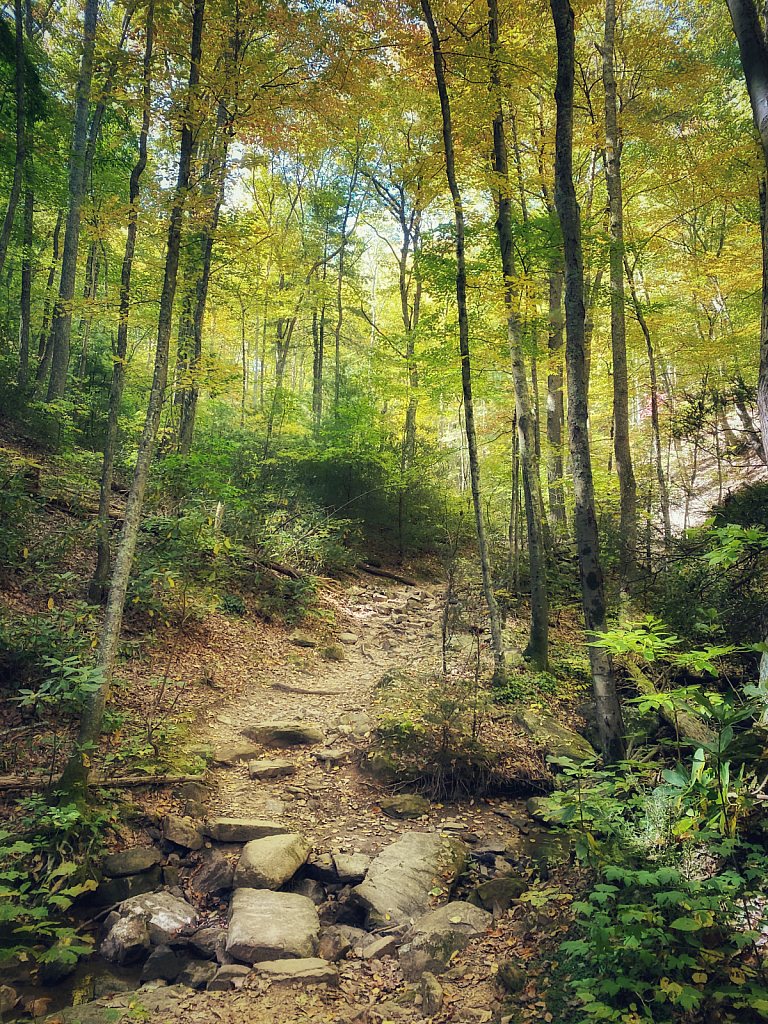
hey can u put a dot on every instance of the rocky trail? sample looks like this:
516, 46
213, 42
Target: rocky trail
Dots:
292, 883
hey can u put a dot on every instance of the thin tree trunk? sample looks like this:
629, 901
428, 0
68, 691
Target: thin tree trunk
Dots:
593, 597
21, 135
75, 777
25, 299
754, 61
45, 345
466, 369
621, 446
96, 590
555, 406
657, 453
62, 315
538, 643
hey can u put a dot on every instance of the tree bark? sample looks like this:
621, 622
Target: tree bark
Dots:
75, 777
466, 368
754, 61
61, 326
593, 597
538, 642
96, 590
621, 446
45, 344
25, 299
21, 135
657, 453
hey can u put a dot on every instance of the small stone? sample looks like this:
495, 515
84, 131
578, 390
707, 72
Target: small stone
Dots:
351, 867
264, 769
333, 652
510, 976
234, 754
181, 831
197, 973
8, 999
226, 977
406, 805
385, 946
214, 875
161, 964
270, 862
312, 889
348, 638
192, 791
331, 755
431, 994
301, 639
194, 809
108, 985
334, 945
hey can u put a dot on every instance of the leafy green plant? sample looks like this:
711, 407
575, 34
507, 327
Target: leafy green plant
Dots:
658, 944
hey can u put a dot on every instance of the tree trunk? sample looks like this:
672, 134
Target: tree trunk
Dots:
538, 643
96, 590
75, 777
466, 369
555, 406
21, 135
621, 446
25, 299
62, 313
593, 598
657, 453
754, 61
45, 345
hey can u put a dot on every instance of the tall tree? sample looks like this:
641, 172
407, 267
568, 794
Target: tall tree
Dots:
592, 590
612, 166
61, 325
103, 555
538, 644
75, 777
466, 366
21, 134
754, 61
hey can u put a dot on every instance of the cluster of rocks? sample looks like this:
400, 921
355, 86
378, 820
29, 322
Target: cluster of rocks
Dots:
286, 914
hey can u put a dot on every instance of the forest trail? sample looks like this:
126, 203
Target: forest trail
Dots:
335, 803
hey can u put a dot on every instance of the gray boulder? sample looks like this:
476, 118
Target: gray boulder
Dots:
115, 890
397, 885
334, 945
167, 915
265, 925
301, 639
130, 862
214, 874
205, 940
127, 940
321, 867
234, 753
284, 734
162, 965
351, 867
243, 830
197, 973
270, 862
182, 831
310, 888
431, 942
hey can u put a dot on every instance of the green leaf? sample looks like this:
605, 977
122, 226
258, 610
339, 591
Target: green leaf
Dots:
686, 924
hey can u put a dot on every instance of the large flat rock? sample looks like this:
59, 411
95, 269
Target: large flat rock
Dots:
265, 925
284, 734
307, 971
270, 862
397, 885
243, 830
558, 739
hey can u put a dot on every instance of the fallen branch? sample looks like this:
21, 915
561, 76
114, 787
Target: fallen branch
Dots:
386, 574
15, 782
284, 570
